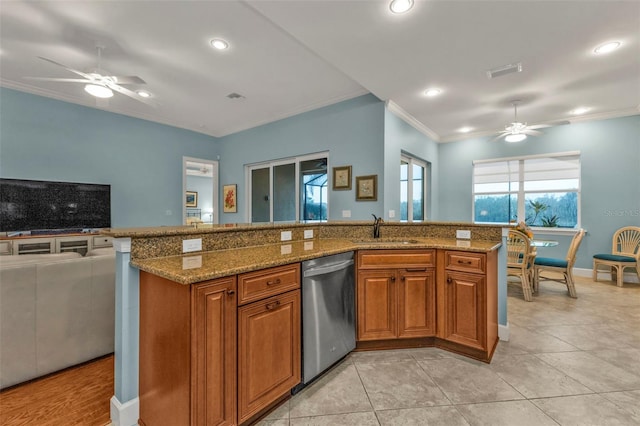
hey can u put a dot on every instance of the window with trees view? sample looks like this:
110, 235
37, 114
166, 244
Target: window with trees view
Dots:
413, 188
542, 191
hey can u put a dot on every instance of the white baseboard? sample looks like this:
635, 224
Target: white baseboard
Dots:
503, 332
126, 414
629, 277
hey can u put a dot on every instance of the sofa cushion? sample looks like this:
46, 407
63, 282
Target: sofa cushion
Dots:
37, 258
107, 251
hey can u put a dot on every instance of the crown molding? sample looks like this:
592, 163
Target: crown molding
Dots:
411, 120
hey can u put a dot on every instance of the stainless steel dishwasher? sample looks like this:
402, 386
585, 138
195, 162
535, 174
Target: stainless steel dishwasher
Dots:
328, 313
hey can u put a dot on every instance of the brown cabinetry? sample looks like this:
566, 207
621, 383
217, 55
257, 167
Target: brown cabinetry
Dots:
269, 351
187, 352
395, 294
467, 301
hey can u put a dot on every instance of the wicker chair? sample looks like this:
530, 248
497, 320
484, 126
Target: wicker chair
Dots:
562, 266
520, 256
624, 254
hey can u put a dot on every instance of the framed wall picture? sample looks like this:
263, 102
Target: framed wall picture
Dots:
367, 188
191, 199
230, 197
342, 178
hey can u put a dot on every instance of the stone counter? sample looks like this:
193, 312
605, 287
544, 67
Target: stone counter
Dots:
202, 266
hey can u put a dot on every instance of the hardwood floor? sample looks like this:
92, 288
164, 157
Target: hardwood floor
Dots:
77, 396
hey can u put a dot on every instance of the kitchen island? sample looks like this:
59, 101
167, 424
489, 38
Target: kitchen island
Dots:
220, 328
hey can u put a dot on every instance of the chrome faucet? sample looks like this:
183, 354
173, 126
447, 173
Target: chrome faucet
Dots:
376, 225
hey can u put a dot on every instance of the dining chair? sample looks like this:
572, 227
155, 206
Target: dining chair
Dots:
625, 253
520, 257
562, 266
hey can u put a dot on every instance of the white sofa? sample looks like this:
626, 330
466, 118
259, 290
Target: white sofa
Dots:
56, 311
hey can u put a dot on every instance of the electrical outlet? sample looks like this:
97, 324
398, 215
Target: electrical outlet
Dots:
463, 234
191, 262
192, 245
346, 213
392, 214
308, 245
285, 249
285, 236
308, 233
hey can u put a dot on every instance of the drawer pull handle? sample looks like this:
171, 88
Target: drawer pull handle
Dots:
272, 305
231, 292
277, 281
465, 262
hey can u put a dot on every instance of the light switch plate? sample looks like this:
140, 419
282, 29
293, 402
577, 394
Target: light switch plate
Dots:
191, 262
392, 214
463, 234
308, 233
192, 245
346, 213
285, 236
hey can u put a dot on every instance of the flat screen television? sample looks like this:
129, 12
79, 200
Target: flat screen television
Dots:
32, 205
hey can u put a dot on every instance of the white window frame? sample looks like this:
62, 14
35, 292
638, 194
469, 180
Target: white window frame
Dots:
271, 164
521, 189
410, 160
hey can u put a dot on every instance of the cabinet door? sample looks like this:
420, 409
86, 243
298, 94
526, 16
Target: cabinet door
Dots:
269, 358
376, 305
416, 303
214, 357
465, 309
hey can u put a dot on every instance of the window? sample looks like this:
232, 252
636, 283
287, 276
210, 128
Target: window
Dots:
413, 174
288, 190
542, 191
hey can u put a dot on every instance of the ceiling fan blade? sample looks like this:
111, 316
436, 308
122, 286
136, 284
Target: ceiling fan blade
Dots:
498, 137
80, 73
62, 80
552, 124
131, 94
127, 79
531, 132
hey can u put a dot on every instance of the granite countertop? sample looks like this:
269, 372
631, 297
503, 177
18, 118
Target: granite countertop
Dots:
202, 266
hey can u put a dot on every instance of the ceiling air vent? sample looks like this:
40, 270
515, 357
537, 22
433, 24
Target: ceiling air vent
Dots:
504, 69
235, 95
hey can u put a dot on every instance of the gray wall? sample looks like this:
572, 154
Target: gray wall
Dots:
46, 139
610, 192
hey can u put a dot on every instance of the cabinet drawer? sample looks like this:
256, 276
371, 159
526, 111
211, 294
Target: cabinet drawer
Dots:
267, 282
102, 241
465, 261
5, 247
375, 259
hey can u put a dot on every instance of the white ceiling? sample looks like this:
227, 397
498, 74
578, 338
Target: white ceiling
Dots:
287, 57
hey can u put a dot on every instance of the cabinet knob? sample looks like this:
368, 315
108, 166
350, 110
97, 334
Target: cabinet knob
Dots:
449, 280
393, 278
272, 305
401, 277
231, 292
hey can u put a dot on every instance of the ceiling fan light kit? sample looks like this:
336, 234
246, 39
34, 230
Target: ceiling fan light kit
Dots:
515, 137
98, 91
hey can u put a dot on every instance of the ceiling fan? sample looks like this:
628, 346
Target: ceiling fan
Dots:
517, 131
98, 83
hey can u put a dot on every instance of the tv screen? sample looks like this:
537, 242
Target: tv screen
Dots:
30, 205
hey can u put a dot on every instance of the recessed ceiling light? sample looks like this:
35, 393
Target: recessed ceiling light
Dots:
580, 110
432, 92
606, 47
143, 93
219, 44
400, 6
465, 129
517, 137
98, 91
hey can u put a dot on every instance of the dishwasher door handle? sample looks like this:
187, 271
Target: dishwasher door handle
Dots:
327, 269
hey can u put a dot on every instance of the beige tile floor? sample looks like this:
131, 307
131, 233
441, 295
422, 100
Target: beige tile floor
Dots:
568, 362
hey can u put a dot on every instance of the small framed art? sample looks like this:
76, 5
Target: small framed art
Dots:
367, 188
191, 199
230, 198
342, 178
